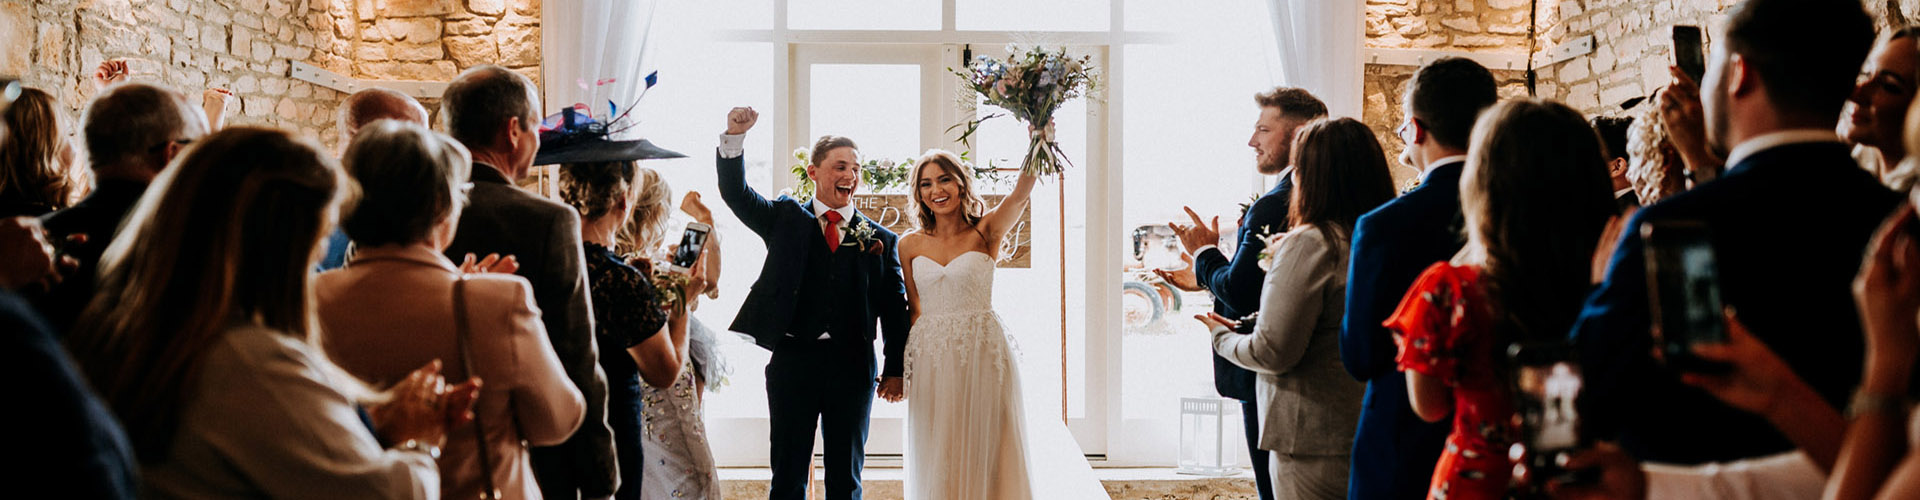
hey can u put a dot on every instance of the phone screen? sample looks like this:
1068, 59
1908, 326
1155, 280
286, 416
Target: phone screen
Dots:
1547, 394
1687, 52
691, 242
1684, 284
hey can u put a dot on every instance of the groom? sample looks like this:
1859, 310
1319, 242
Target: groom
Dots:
830, 273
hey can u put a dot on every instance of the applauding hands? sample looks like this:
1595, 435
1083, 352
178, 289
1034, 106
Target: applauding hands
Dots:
421, 407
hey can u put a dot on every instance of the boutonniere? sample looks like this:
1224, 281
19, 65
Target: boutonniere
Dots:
1247, 206
1267, 253
861, 234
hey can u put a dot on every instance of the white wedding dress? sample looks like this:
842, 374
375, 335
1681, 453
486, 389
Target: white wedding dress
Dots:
967, 437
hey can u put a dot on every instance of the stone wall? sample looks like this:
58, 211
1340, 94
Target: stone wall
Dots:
247, 46
242, 45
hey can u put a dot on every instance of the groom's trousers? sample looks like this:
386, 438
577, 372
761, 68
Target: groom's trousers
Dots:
828, 382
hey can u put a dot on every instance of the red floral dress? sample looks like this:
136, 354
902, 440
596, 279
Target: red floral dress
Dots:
1444, 328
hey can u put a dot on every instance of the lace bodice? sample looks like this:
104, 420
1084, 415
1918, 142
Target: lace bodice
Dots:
963, 286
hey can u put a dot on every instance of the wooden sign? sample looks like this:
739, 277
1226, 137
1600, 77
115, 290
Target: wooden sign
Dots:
895, 212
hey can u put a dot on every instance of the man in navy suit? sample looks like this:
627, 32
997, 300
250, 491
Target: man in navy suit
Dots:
830, 274
1789, 222
1235, 283
1394, 450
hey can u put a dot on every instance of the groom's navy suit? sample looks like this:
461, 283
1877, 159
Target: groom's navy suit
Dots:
807, 289
1236, 284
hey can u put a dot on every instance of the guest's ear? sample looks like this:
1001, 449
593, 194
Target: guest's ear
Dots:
1740, 78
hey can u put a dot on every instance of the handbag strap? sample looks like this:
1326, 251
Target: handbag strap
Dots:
463, 335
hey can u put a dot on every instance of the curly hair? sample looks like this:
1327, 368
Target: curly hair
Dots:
1654, 166
652, 207
594, 188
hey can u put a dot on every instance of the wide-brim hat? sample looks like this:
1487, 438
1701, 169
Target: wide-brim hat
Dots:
573, 137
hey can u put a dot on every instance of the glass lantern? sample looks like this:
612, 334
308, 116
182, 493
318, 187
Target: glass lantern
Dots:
1206, 448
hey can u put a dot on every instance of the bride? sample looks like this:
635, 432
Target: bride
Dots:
967, 436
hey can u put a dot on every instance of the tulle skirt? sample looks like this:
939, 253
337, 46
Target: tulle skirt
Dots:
966, 432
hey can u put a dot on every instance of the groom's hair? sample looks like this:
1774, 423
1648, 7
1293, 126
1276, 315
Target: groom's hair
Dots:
829, 143
1293, 102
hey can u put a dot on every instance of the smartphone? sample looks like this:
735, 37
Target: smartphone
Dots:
1683, 291
1688, 53
1546, 390
692, 241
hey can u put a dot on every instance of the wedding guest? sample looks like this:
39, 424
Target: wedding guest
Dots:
1655, 167
1771, 96
80, 451
357, 110
1394, 450
1878, 458
1613, 135
132, 131
494, 111
202, 340
1536, 197
1878, 107
1683, 124
1235, 282
400, 303
649, 341
1311, 406
37, 171
677, 411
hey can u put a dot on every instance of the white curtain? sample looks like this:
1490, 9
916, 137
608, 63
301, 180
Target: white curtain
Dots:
1320, 49
595, 52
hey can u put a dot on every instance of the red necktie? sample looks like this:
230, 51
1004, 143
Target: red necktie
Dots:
833, 230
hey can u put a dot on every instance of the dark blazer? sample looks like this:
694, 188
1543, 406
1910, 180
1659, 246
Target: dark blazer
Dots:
1236, 283
79, 449
1394, 450
875, 290
545, 237
99, 217
1789, 226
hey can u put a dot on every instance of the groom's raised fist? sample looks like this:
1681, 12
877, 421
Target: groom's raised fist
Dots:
739, 120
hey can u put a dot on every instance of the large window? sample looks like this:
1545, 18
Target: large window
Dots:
1169, 130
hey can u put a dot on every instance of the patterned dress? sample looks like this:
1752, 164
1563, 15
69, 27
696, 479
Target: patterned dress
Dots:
679, 461
624, 316
1444, 329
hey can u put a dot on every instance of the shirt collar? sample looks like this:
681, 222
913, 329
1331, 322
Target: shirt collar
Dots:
820, 210
1424, 172
1622, 192
1746, 149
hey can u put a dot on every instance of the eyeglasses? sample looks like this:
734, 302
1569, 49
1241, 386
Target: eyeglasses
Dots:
1405, 131
182, 142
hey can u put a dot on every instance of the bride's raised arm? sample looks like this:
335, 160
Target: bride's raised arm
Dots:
1002, 217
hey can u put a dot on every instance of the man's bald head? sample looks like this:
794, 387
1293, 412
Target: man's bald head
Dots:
370, 105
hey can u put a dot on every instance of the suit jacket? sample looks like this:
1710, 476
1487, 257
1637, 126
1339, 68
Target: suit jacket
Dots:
545, 237
99, 217
391, 311
1309, 406
1235, 283
1394, 450
1789, 226
875, 291
79, 449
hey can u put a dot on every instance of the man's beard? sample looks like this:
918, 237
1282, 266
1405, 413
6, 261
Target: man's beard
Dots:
1270, 166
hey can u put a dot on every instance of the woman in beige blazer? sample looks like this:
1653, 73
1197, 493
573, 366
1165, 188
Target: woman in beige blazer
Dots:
392, 308
1309, 406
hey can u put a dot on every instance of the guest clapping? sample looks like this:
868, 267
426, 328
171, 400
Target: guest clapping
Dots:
202, 339
401, 303
1311, 406
37, 171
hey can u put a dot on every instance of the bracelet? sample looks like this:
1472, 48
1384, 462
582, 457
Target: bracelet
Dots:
417, 445
1865, 403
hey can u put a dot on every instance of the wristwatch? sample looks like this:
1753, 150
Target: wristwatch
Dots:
417, 445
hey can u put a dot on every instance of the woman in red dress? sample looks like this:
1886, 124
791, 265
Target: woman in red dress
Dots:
1536, 197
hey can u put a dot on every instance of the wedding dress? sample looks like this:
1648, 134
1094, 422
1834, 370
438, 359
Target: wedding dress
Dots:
967, 436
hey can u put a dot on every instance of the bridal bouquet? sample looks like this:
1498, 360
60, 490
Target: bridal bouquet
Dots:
1031, 85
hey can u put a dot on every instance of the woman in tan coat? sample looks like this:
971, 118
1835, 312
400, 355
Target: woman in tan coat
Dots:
393, 308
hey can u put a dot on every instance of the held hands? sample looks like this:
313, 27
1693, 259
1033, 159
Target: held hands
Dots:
422, 407
740, 120
892, 389
494, 263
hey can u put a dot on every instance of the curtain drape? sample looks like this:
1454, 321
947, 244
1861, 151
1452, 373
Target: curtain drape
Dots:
1320, 50
595, 52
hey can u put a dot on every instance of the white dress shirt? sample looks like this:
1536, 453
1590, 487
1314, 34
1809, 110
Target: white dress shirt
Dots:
1772, 140
1784, 476
1428, 170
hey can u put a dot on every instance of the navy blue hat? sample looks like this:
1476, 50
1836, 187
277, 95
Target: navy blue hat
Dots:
573, 137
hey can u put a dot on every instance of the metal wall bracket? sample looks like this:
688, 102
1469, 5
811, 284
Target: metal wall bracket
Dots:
1561, 53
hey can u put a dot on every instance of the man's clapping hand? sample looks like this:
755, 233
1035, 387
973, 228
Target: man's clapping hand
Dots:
740, 120
1200, 234
493, 263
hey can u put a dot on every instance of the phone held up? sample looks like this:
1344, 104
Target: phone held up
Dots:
1688, 52
1683, 291
687, 253
1546, 389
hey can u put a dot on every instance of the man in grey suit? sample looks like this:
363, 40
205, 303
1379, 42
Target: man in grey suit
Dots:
495, 113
